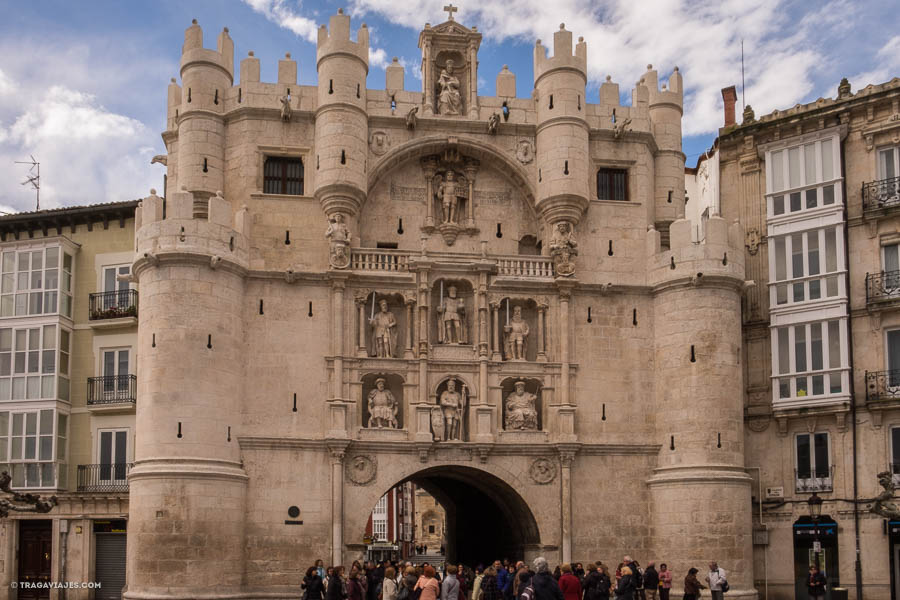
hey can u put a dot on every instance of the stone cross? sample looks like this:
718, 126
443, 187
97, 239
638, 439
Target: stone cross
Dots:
450, 10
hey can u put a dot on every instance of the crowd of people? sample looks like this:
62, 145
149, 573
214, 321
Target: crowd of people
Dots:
505, 580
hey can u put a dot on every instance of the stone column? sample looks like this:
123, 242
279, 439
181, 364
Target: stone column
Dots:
565, 295
471, 170
427, 79
337, 503
360, 298
429, 168
495, 346
472, 107
337, 288
566, 456
410, 300
542, 305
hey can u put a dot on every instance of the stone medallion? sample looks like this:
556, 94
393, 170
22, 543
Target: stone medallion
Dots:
525, 151
361, 470
542, 471
379, 142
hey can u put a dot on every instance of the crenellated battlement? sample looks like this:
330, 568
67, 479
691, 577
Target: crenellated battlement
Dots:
670, 93
221, 237
719, 254
562, 58
335, 39
194, 54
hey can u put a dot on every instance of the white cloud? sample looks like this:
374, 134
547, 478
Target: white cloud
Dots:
7, 85
888, 60
282, 15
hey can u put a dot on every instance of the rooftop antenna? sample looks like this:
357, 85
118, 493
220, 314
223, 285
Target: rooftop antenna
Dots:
743, 100
34, 177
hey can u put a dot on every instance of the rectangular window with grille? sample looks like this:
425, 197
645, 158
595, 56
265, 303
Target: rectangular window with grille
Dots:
283, 175
612, 184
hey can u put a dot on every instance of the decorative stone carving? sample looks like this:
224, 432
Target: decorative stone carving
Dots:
752, 241
521, 410
515, 334
493, 123
382, 407
525, 152
286, 110
563, 249
884, 504
160, 158
383, 342
452, 405
758, 425
449, 100
619, 128
437, 423
361, 470
22, 502
379, 142
452, 327
542, 471
411, 117
339, 236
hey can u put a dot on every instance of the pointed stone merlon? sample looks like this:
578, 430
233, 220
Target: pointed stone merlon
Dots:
506, 83
671, 92
609, 92
287, 70
194, 52
335, 39
173, 101
393, 77
562, 54
250, 69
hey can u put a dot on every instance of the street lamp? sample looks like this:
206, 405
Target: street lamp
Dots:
815, 511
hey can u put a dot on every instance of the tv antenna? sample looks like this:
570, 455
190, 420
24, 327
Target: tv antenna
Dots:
33, 178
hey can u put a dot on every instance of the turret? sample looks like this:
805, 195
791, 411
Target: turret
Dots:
562, 130
205, 76
666, 109
341, 119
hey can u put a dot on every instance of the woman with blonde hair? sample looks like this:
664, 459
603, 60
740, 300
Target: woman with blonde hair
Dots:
389, 585
430, 587
625, 586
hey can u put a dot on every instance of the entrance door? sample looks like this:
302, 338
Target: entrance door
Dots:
113, 457
110, 565
116, 383
35, 550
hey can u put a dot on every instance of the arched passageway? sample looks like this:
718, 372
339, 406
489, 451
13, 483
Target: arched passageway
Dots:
486, 518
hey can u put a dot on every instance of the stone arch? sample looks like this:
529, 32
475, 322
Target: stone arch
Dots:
473, 148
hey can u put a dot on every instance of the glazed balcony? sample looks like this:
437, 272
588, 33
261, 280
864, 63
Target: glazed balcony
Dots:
112, 393
881, 197
118, 308
814, 481
105, 478
882, 289
882, 386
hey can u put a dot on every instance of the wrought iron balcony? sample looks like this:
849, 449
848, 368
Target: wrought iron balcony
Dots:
117, 304
816, 480
882, 287
881, 194
112, 389
882, 386
103, 478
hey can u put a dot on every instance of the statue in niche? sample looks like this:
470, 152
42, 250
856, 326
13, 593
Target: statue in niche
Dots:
384, 332
516, 332
449, 101
563, 249
453, 405
286, 110
452, 319
521, 409
449, 194
382, 407
339, 237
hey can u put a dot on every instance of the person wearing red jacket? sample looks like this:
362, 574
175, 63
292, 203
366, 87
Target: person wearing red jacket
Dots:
569, 584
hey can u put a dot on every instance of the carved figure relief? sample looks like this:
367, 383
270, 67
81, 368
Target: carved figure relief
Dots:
521, 410
452, 327
752, 241
452, 404
286, 110
361, 470
384, 332
563, 249
525, 152
515, 334
411, 117
449, 193
379, 142
382, 407
338, 236
542, 471
437, 423
449, 101
493, 123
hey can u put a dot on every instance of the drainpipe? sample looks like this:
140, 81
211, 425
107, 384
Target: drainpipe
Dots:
63, 549
858, 561
759, 492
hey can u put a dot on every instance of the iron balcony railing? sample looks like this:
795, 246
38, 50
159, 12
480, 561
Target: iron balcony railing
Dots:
882, 385
113, 305
881, 194
882, 286
816, 480
103, 478
112, 389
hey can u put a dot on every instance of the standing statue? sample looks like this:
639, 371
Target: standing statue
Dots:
437, 423
493, 123
516, 332
884, 504
384, 335
453, 406
382, 407
521, 411
286, 110
449, 102
448, 194
563, 248
452, 319
339, 237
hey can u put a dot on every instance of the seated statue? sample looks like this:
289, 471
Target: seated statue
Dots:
382, 407
521, 411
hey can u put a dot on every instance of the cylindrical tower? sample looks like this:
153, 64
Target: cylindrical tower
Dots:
205, 76
666, 109
188, 486
341, 121
700, 491
561, 153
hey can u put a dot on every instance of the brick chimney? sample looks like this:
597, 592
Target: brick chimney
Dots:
729, 95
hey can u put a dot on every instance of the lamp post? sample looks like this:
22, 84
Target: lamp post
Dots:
815, 511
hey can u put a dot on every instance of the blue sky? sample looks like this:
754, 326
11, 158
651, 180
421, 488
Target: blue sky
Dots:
83, 85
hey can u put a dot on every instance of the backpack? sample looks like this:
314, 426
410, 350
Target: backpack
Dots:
637, 577
724, 584
527, 593
403, 594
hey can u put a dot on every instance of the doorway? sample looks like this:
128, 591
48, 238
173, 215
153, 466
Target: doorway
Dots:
35, 552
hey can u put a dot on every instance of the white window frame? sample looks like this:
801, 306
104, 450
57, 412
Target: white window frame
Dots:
58, 449
379, 529
113, 479
7, 382
786, 285
816, 181
879, 167
894, 451
792, 375
813, 483
101, 366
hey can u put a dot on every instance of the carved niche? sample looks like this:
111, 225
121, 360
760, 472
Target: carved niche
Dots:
382, 401
450, 69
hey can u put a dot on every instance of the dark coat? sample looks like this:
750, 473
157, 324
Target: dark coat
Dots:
335, 589
489, 589
545, 587
355, 589
692, 585
651, 578
815, 584
592, 586
313, 587
625, 588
